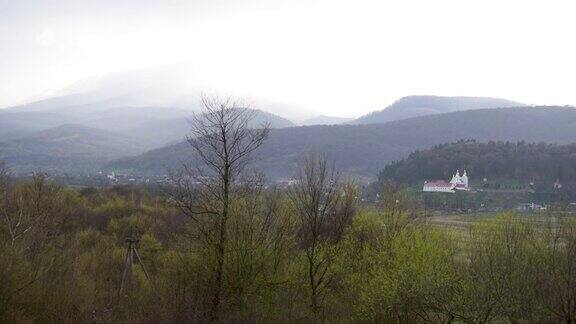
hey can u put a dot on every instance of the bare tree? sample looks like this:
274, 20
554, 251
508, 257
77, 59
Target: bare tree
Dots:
325, 206
261, 236
223, 141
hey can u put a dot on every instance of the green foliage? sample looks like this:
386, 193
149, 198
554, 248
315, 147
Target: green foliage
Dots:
397, 269
388, 266
129, 227
501, 259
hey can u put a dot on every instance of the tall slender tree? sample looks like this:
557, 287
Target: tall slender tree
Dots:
223, 140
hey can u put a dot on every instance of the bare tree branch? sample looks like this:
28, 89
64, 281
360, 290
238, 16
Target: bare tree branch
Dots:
223, 143
325, 206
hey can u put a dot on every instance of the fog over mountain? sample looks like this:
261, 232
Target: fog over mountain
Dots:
174, 86
150, 104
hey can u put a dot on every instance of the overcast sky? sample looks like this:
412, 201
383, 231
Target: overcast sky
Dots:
340, 57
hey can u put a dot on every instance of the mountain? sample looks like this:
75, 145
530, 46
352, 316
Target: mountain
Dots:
154, 126
151, 105
41, 116
18, 124
81, 147
173, 86
415, 106
325, 120
364, 150
160, 126
67, 148
167, 86
261, 117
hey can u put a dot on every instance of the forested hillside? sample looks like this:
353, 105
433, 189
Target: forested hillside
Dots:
154, 126
414, 106
492, 160
67, 148
83, 141
366, 149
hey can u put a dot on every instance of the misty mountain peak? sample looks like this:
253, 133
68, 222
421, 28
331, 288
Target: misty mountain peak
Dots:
421, 105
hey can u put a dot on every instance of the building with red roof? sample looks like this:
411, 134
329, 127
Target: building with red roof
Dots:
458, 182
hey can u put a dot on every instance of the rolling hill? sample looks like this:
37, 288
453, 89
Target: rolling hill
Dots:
67, 148
415, 106
154, 126
365, 149
87, 145
157, 132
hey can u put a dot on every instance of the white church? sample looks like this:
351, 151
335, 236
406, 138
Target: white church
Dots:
458, 182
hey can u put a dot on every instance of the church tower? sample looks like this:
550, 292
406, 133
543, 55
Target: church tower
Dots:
456, 178
464, 179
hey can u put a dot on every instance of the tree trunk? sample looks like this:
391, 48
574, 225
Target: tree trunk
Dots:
220, 250
219, 271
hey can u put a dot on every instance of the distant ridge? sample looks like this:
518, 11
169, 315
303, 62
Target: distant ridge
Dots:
33, 142
154, 126
415, 106
67, 148
325, 120
365, 149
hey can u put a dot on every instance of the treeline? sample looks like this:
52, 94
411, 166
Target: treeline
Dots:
63, 255
496, 161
